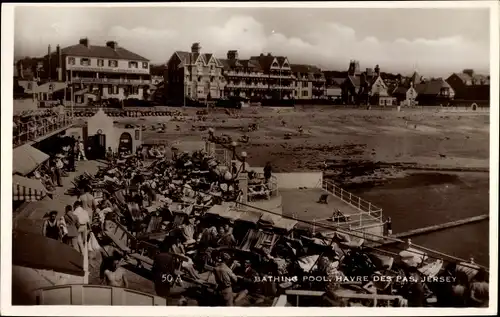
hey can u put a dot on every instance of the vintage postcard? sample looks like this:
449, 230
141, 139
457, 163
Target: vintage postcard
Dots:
225, 158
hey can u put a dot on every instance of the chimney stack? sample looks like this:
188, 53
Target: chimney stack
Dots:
59, 63
232, 55
354, 69
85, 41
469, 72
195, 48
377, 70
112, 44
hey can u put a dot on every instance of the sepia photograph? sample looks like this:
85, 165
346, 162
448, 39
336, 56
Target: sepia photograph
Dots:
262, 155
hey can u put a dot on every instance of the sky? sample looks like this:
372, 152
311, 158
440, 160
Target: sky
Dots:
435, 42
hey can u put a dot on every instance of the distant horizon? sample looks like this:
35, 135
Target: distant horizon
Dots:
434, 42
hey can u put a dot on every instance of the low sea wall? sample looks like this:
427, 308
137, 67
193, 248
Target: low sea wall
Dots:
296, 180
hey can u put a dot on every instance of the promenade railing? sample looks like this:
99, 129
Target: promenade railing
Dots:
25, 132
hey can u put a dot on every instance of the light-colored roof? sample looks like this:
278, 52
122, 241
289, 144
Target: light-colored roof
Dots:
26, 159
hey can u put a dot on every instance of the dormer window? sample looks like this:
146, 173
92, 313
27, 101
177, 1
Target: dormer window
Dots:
85, 61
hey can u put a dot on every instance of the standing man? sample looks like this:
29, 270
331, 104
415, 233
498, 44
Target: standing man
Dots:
51, 227
225, 277
267, 172
69, 224
388, 226
83, 222
81, 150
88, 201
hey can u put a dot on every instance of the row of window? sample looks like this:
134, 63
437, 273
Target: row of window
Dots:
111, 63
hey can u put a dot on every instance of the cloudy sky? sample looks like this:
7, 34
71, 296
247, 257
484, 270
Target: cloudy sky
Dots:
434, 41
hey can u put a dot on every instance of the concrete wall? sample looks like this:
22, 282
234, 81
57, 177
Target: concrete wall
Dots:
100, 121
26, 280
296, 180
75, 131
21, 105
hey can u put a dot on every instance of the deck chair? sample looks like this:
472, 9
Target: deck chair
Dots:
130, 246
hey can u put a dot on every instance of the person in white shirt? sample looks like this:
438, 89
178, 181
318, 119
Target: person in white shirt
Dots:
81, 151
83, 223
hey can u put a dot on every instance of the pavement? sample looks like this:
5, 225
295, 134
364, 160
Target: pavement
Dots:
303, 203
29, 217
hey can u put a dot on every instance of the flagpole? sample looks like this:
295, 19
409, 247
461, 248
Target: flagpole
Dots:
72, 93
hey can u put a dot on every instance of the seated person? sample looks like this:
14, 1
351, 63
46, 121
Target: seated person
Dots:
46, 181
188, 231
259, 191
225, 238
187, 265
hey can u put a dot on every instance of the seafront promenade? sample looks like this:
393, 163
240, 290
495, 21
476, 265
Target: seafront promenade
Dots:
29, 216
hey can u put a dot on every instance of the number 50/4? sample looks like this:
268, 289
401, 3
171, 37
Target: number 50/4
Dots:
169, 278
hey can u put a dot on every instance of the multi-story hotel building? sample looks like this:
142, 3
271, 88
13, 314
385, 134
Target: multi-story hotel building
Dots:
264, 76
193, 75
309, 82
100, 72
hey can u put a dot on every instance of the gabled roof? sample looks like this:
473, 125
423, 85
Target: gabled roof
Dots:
207, 57
101, 51
476, 79
264, 61
355, 80
225, 64
400, 90
281, 60
416, 78
188, 58
336, 81
432, 87
254, 65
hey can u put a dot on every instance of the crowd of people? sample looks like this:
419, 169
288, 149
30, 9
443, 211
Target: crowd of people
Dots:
32, 124
164, 201
60, 164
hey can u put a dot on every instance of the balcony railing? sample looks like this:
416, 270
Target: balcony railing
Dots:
32, 130
110, 81
261, 86
281, 76
282, 87
244, 74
